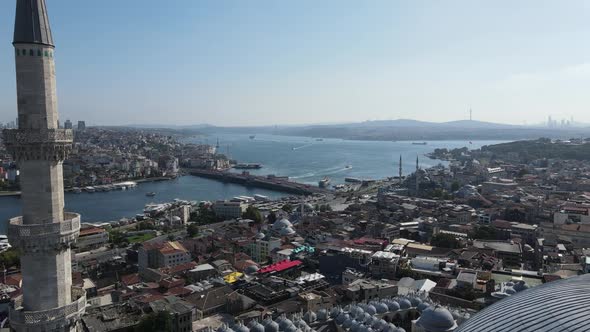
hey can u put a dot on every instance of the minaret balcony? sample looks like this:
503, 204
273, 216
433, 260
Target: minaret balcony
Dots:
32, 238
34, 144
48, 320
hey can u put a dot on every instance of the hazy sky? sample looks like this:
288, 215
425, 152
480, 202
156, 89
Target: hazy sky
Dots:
307, 61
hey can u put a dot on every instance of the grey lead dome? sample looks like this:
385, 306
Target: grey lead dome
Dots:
31, 25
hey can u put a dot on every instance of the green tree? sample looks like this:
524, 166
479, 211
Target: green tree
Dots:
10, 258
455, 186
252, 213
192, 229
483, 233
445, 241
287, 208
155, 322
117, 237
272, 217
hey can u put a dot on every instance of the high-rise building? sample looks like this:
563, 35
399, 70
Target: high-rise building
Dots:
81, 125
68, 124
45, 232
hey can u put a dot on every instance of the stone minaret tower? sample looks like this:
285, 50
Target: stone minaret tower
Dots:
417, 176
44, 233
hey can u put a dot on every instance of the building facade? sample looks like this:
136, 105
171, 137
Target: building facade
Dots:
44, 233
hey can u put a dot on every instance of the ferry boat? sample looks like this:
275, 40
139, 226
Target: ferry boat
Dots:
324, 183
150, 194
419, 143
90, 189
247, 166
353, 180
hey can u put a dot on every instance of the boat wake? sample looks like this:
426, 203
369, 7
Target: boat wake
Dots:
301, 147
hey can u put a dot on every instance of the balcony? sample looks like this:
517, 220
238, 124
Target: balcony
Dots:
38, 237
49, 319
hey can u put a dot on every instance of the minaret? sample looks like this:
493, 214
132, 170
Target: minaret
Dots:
44, 233
400, 168
417, 176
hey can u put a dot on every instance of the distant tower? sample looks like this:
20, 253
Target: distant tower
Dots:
470, 114
81, 125
549, 122
400, 168
44, 233
417, 176
217, 145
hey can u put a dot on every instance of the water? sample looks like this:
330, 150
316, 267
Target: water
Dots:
307, 160
302, 159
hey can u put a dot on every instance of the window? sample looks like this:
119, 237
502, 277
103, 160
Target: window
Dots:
31, 53
39, 53
46, 54
17, 52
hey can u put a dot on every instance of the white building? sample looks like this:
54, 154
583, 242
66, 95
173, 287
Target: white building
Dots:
228, 209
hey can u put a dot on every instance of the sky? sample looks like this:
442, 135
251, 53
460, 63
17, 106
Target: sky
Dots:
267, 62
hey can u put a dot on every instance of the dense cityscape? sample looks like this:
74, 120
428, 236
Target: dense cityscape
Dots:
495, 238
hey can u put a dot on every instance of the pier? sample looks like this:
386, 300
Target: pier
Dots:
266, 182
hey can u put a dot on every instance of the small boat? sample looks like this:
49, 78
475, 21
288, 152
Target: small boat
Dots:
76, 190
324, 183
419, 143
252, 136
150, 194
319, 139
348, 166
90, 189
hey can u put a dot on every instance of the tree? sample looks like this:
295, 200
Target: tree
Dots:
483, 233
445, 241
192, 230
252, 213
10, 257
455, 186
287, 208
155, 322
272, 217
117, 237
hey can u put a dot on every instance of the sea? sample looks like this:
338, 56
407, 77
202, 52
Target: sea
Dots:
305, 160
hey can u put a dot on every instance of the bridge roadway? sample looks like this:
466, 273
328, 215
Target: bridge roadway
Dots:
265, 182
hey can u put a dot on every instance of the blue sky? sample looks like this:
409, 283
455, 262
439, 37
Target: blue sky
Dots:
290, 62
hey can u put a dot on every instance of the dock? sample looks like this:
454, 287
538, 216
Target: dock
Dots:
265, 182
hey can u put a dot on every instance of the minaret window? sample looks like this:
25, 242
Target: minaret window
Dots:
46, 54
31, 53
39, 53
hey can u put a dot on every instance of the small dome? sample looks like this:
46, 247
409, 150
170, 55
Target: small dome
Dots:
381, 308
366, 317
437, 319
415, 301
355, 326
370, 309
270, 325
342, 317
260, 236
322, 314
224, 328
389, 328
348, 323
405, 304
423, 306
393, 305
357, 312
240, 327
285, 323
335, 312
256, 327
310, 317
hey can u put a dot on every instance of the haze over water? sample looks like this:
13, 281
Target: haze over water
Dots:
302, 159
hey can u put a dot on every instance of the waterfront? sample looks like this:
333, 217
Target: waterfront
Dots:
302, 159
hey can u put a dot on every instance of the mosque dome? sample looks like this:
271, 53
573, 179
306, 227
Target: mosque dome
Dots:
423, 306
240, 327
381, 308
415, 301
437, 319
341, 318
287, 231
280, 224
370, 309
224, 328
366, 317
335, 312
393, 305
322, 314
348, 323
260, 236
405, 304
310, 317
285, 323
270, 326
256, 327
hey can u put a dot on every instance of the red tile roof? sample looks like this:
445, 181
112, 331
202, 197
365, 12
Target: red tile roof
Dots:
130, 279
91, 231
280, 266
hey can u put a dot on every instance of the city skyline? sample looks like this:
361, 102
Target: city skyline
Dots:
236, 64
